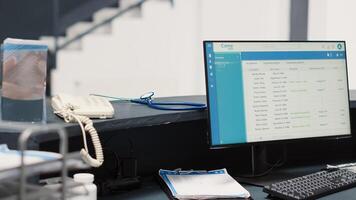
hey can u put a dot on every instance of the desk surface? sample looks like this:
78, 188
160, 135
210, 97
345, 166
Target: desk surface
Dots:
127, 115
132, 115
151, 190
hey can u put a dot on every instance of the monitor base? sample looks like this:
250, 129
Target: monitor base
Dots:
264, 159
264, 164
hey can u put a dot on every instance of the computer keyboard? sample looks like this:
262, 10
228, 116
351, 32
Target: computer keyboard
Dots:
314, 185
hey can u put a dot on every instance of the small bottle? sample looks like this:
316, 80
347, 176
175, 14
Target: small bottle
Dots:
88, 190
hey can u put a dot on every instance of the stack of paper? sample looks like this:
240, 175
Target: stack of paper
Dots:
12, 158
202, 184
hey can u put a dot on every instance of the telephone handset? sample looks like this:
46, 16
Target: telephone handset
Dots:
81, 109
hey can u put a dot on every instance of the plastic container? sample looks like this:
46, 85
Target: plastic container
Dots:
23, 80
88, 190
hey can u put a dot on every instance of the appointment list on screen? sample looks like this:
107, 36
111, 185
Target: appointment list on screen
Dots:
276, 91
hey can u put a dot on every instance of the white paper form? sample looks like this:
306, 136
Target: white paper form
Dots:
203, 184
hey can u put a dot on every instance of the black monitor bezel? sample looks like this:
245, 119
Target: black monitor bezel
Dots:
345, 136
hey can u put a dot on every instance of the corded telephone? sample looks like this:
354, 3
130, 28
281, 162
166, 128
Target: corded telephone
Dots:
81, 109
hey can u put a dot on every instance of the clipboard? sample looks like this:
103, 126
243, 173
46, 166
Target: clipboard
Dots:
192, 184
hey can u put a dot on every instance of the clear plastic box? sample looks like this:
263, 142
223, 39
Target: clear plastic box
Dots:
23, 82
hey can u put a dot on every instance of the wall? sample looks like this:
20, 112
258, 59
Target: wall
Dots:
334, 20
162, 50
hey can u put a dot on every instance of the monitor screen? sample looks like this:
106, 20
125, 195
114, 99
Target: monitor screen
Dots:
268, 91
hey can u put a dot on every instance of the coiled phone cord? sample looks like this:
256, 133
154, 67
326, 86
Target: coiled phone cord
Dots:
86, 124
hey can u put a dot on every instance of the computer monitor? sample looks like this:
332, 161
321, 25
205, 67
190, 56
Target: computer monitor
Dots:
263, 91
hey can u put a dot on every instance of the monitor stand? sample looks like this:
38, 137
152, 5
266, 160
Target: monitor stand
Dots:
258, 160
262, 172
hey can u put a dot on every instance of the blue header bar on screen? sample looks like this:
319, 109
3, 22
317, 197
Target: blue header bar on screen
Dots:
292, 55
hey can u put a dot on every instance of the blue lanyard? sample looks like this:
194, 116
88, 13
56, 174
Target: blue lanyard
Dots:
146, 99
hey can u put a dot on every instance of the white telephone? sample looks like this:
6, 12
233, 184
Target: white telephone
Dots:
81, 109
